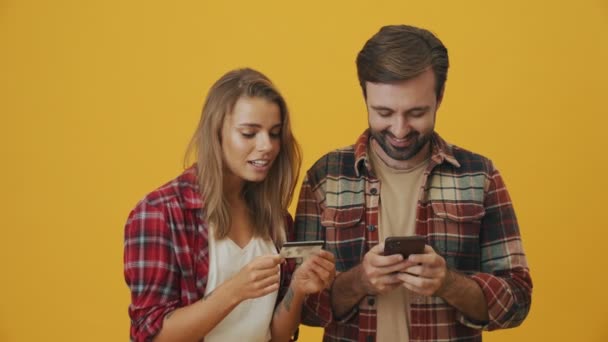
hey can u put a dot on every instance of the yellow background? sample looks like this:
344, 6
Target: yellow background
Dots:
98, 100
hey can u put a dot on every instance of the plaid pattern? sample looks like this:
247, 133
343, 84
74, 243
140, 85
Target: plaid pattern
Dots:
166, 254
463, 209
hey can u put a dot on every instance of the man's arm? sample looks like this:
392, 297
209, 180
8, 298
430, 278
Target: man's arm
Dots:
465, 295
347, 292
316, 309
505, 276
500, 295
430, 276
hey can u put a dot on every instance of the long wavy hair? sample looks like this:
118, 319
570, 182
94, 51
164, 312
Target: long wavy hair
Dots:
267, 200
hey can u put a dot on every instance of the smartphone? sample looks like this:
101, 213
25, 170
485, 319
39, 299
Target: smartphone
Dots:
300, 249
404, 245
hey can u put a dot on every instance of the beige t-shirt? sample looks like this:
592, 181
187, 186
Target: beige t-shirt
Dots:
397, 217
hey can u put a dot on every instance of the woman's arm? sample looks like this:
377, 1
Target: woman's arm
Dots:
315, 274
193, 322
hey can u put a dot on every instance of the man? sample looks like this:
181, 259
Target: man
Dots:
400, 179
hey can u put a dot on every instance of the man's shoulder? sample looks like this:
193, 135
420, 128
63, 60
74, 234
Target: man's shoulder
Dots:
471, 161
338, 162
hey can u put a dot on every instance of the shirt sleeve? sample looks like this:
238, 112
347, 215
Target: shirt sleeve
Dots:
150, 270
316, 310
505, 277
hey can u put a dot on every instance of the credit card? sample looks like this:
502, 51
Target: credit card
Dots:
300, 249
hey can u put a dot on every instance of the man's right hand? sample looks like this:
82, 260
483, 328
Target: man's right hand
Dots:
378, 272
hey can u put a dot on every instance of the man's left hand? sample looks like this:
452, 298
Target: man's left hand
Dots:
428, 274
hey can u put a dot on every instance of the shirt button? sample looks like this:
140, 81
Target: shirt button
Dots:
373, 191
371, 301
371, 227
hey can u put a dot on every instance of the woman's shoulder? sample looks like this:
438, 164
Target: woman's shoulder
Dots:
181, 191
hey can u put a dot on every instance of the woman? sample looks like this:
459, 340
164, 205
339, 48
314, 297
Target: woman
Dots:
201, 251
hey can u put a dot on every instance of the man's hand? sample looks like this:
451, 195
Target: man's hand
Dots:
426, 274
380, 273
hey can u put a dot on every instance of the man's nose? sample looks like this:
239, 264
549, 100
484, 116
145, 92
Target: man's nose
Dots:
400, 127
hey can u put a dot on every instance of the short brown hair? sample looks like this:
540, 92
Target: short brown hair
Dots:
401, 52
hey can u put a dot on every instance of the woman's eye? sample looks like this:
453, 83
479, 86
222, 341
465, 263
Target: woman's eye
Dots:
248, 135
275, 134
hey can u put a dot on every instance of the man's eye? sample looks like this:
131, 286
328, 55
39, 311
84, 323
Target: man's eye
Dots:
418, 113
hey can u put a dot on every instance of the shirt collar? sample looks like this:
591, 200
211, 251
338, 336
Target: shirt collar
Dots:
441, 151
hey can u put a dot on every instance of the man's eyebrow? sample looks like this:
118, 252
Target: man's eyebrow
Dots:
413, 109
381, 108
419, 108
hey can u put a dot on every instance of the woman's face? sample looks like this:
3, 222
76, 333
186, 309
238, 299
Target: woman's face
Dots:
251, 140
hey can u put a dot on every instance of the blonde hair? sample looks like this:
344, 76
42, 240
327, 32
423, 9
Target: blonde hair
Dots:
267, 200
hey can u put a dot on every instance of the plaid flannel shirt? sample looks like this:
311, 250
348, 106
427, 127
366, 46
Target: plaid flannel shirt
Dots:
466, 214
166, 254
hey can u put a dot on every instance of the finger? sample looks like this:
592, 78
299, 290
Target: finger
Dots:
430, 260
398, 267
263, 283
387, 283
266, 261
420, 283
427, 288
417, 270
327, 255
263, 274
426, 257
266, 290
424, 271
321, 273
385, 260
322, 262
377, 249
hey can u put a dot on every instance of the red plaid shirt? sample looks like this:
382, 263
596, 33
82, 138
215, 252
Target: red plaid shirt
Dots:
166, 256
463, 209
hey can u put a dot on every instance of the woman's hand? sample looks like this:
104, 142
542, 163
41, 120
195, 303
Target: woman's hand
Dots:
258, 278
315, 274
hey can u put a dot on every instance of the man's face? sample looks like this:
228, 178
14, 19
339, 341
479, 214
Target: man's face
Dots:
402, 115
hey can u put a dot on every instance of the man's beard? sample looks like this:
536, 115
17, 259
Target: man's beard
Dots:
416, 142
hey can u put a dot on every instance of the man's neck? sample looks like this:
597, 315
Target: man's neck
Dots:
419, 158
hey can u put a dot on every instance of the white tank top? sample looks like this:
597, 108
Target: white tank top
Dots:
250, 320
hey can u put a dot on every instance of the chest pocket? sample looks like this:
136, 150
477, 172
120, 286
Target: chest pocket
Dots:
343, 220
456, 206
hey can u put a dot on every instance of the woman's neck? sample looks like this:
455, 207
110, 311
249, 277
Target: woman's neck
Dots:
233, 189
